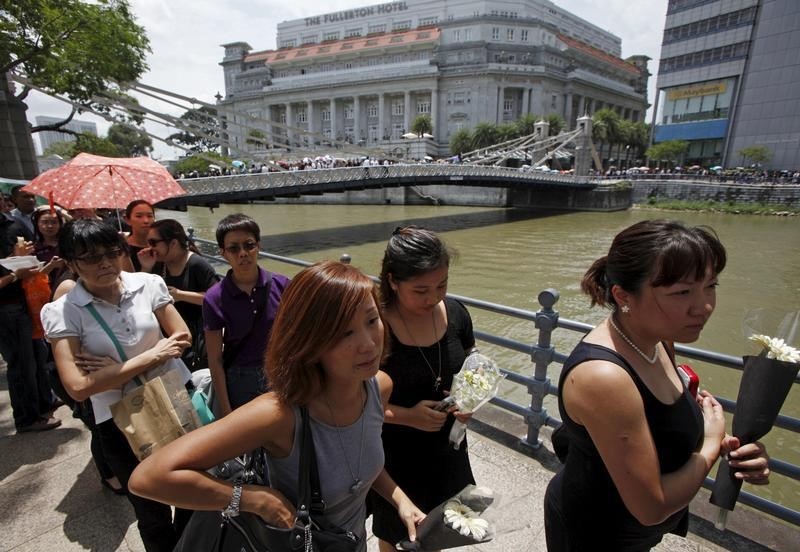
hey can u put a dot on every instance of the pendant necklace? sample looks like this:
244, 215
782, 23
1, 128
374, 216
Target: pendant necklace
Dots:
357, 482
437, 376
649, 360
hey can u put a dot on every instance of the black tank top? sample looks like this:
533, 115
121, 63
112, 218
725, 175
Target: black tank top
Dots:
592, 511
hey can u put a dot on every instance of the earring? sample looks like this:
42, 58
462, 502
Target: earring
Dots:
625, 308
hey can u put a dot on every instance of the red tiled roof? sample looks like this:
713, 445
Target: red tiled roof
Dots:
599, 54
307, 51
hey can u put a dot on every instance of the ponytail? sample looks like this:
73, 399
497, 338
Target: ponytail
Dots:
595, 283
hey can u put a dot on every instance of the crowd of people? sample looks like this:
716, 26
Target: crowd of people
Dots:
370, 365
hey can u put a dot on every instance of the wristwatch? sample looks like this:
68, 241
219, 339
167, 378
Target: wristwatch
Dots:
232, 510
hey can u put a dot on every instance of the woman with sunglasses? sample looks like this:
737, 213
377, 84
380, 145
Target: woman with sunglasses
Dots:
238, 313
188, 276
133, 307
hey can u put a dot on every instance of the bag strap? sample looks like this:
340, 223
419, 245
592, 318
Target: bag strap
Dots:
120, 351
309, 495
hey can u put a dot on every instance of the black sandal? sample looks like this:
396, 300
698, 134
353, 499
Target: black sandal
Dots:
107, 485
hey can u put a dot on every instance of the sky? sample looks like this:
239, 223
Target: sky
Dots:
185, 38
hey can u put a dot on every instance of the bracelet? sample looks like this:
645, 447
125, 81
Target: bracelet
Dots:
232, 510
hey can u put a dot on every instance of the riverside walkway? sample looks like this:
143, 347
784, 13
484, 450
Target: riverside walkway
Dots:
51, 499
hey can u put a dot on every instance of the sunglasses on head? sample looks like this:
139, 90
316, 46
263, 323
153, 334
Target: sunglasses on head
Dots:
235, 248
94, 258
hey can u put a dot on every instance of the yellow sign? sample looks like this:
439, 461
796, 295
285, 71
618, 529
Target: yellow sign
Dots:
698, 90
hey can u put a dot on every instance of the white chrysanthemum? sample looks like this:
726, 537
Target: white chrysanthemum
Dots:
777, 348
464, 520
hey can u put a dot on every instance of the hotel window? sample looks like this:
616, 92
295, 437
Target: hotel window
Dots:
457, 35
325, 114
458, 98
330, 36
373, 133
289, 43
350, 33
425, 21
348, 111
348, 65
554, 101
397, 131
372, 110
523, 35
509, 34
373, 29
398, 108
423, 107
282, 118
310, 39
467, 35
401, 25
495, 33
508, 105
301, 115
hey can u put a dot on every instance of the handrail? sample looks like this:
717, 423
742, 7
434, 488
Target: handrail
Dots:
542, 354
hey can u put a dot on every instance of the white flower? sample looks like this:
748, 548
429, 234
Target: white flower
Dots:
777, 348
464, 520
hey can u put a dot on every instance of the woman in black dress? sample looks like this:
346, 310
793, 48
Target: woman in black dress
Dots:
187, 275
431, 336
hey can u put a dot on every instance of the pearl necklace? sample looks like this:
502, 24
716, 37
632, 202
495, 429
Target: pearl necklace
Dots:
649, 360
437, 377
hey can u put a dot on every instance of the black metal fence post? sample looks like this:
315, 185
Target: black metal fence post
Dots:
542, 356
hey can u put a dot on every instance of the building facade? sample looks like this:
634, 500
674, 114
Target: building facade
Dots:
363, 75
729, 78
49, 137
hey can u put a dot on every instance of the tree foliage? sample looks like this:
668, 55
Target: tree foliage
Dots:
256, 138
526, 124
422, 124
202, 130
461, 142
507, 131
671, 151
200, 162
557, 123
129, 140
71, 47
484, 135
755, 154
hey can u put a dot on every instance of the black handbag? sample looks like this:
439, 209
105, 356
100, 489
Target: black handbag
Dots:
249, 533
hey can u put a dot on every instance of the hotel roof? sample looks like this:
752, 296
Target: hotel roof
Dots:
598, 54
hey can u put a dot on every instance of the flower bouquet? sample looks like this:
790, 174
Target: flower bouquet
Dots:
458, 521
765, 383
473, 386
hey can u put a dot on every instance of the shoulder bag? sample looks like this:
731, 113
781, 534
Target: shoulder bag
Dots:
247, 532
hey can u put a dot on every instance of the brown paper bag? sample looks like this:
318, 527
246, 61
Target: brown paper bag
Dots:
147, 417
181, 401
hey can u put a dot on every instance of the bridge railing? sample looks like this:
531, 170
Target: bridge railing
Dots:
422, 172
542, 353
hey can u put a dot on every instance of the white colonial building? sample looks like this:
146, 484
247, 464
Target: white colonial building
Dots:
363, 75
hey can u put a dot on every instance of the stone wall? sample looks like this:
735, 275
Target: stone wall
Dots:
772, 194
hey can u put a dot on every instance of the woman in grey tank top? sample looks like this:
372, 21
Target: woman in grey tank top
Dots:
326, 348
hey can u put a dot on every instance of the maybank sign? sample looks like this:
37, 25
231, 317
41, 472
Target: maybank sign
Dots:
696, 90
357, 13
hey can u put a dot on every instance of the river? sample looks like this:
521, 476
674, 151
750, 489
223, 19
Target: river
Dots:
508, 256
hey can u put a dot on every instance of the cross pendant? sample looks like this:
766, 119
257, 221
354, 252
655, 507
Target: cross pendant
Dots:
437, 383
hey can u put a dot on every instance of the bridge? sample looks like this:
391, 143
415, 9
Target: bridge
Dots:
211, 191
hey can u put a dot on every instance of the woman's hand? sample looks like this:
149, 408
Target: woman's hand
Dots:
411, 516
23, 248
147, 259
88, 362
463, 417
424, 416
177, 294
272, 506
713, 417
54, 263
27, 272
750, 462
172, 346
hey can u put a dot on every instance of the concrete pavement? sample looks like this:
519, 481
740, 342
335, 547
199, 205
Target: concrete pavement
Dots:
51, 499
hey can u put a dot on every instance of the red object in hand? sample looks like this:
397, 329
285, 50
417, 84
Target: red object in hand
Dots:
690, 378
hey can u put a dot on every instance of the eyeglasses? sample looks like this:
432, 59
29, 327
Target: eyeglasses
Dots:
235, 248
110, 254
152, 243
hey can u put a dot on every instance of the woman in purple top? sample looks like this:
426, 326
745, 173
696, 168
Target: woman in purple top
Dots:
238, 313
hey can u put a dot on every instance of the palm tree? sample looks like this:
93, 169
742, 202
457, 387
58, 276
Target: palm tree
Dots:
526, 124
556, 122
605, 128
484, 135
507, 131
460, 142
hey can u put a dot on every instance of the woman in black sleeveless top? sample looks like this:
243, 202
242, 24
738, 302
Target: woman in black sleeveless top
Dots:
640, 445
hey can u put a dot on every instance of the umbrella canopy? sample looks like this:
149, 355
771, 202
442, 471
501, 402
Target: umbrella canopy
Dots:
92, 181
716, 168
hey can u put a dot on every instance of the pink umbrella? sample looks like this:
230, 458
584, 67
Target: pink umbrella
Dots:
91, 181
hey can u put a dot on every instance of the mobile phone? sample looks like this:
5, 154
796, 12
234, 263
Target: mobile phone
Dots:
690, 378
445, 403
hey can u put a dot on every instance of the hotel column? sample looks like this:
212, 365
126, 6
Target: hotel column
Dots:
407, 111
501, 93
333, 119
525, 101
289, 125
435, 113
356, 120
381, 115
310, 124
568, 110
268, 127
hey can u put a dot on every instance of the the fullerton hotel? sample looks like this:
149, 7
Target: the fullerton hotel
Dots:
363, 75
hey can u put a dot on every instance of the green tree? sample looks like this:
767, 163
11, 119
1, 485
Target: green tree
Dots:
74, 48
201, 130
556, 122
507, 131
89, 143
200, 162
130, 140
605, 130
460, 142
422, 124
256, 138
671, 151
484, 135
755, 154
65, 150
526, 124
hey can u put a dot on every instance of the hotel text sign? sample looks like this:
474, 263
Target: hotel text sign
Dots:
356, 13
694, 91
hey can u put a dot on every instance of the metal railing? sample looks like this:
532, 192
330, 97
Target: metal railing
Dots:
543, 353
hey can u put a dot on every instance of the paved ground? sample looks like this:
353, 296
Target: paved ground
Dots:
51, 499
